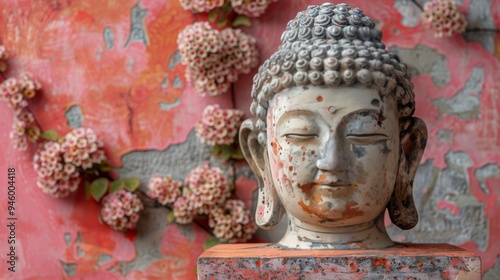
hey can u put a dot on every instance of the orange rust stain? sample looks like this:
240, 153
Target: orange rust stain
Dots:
320, 98
290, 168
275, 148
322, 177
382, 262
351, 211
354, 266
306, 187
258, 263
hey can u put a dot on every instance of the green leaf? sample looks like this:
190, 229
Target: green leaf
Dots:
116, 186
170, 217
105, 167
211, 241
98, 188
212, 16
226, 153
222, 22
241, 21
50, 135
216, 150
237, 154
3, 66
131, 184
87, 190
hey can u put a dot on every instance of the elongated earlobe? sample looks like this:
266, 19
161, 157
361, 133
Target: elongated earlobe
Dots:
401, 206
269, 207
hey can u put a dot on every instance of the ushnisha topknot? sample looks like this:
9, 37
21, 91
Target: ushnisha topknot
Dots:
332, 45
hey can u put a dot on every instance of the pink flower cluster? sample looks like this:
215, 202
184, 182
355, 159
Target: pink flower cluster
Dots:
15, 93
218, 126
82, 148
165, 189
209, 187
54, 176
232, 223
444, 18
121, 210
251, 8
200, 6
59, 165
214, 59
204, 189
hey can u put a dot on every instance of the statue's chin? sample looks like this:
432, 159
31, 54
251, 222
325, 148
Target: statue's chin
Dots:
301, 235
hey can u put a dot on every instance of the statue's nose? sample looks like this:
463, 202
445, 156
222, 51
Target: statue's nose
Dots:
333, 157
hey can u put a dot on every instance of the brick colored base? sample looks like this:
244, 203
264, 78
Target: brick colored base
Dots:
404, 261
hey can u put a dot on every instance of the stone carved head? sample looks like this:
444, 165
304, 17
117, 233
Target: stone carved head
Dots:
333, 141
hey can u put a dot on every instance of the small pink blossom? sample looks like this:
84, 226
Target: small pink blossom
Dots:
209, 185
231, 222
218, 126
214, 59
164, 188
80, 145
444, 18
200, 6
183, 210
251, 8
54, 176
121, 210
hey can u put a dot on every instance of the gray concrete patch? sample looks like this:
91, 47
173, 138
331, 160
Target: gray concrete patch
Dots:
423, 60
410, 12
151, 228
448, 212
479, 17
74, 116
490, 170
109, 38
137, 30
465, 104
175, 59
69, 268
444, 135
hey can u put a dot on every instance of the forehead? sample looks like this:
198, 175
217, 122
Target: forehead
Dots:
338, 101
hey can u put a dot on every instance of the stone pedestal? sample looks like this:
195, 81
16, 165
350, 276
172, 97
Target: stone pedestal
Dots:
403, 261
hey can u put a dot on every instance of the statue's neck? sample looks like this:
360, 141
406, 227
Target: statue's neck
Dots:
301, 235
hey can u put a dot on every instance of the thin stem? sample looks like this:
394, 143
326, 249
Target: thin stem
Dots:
418, 5
482, 30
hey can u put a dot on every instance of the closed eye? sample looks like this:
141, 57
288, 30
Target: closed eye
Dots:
366, 139
300, 136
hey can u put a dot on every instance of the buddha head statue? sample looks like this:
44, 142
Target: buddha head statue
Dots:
333, 141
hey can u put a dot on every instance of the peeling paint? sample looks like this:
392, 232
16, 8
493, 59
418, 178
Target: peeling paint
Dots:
451, 214
490, 170
423, 60
174, 60
168, 106
444, 135
104, 259
67, 238
69, 268
465, 103
74, 116
137, 30
480, 17
177, 83
151, 228
109, 38
410, 12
